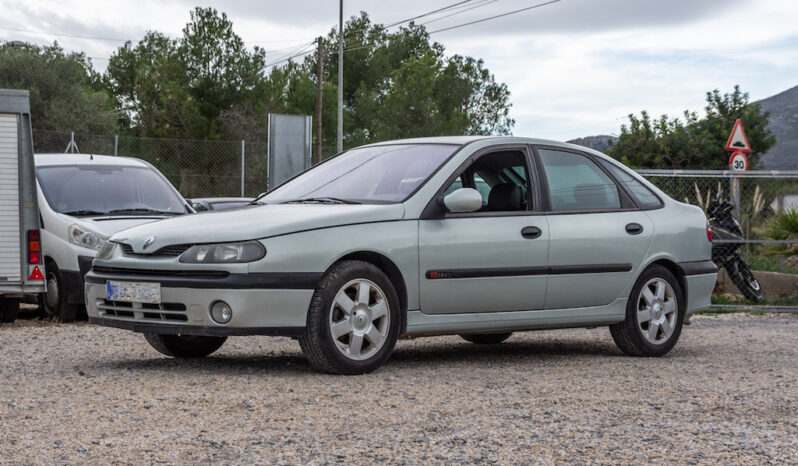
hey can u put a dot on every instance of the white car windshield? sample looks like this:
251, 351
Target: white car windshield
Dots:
378, 174
103, 190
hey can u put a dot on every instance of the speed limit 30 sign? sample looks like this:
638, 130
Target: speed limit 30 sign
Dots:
738, 162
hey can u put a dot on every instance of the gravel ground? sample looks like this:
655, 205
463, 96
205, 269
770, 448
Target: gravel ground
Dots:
83, 394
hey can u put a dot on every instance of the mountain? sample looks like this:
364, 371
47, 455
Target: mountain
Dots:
783, 110
600, 143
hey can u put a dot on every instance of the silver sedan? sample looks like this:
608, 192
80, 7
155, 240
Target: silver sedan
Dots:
476, 236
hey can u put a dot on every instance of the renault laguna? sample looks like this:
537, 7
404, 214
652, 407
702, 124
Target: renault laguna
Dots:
475, 236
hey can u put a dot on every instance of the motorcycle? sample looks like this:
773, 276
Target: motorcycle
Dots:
727, 254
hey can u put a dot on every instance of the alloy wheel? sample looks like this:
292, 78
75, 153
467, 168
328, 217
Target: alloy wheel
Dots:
359, 319
657, 311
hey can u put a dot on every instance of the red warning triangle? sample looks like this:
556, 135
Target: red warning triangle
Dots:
738, 141
36, 274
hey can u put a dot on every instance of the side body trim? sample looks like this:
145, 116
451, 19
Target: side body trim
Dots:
527, 271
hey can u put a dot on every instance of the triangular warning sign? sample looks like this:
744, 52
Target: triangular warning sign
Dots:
36, 274
738, 141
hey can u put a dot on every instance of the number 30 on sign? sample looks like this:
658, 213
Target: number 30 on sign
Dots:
738, 162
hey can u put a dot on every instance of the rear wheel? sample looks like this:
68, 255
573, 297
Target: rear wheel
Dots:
486, 338
53, 302
9, 310
654, 315
744, 279
184, 346
353, 320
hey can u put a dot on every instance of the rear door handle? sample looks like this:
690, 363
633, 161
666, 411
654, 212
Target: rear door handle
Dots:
634, 228
531, 232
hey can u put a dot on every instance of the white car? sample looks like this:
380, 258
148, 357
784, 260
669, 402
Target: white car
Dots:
84, 199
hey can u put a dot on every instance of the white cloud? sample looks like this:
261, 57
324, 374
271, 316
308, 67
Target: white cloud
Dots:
574, 68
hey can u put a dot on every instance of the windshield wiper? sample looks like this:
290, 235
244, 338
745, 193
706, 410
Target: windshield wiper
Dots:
323, 200
141, 211
84, 213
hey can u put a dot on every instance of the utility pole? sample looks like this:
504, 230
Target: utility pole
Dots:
319, 83
341, 77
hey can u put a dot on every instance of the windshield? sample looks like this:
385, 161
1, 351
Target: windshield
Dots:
100, 190
381, 174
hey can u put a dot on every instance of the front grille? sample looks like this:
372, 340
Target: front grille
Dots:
166, 251
143, 312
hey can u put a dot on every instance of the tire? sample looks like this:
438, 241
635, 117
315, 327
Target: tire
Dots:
743, 278
52, 303
353, 320
9, 310
184, 346
654, 315
486, 338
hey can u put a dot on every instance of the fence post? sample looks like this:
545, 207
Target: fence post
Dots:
116, 145
243, 164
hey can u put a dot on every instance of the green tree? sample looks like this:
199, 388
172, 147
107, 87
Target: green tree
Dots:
179, 88
695, 142
65, 94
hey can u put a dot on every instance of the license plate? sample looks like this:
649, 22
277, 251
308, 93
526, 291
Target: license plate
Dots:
133, 292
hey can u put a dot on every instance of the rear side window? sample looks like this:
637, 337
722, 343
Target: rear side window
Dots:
577, 183
642, 195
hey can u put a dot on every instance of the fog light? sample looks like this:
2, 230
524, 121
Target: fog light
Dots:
221, 312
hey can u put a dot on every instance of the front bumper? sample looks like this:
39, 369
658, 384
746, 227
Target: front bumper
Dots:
262, 305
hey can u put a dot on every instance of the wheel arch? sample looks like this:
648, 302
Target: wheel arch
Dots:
677, 272
390, 269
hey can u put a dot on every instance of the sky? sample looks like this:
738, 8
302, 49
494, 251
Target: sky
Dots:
574, 67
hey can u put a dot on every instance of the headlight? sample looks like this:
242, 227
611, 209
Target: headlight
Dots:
106, 251
86, 238
228, 253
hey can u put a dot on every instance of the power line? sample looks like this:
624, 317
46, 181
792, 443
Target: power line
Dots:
487, 2
494, 17
427, 13
72, 36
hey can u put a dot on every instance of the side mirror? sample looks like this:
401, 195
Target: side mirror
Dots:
463, 200
719, 196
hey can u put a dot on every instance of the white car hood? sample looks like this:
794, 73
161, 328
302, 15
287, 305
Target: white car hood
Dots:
254, 222
107, 226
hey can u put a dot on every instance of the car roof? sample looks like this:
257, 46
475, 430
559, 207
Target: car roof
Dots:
463, 140
49, 160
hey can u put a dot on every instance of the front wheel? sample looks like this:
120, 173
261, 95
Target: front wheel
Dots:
654, 315
184, 346
53, 302
9, 310
353, 320
742, 277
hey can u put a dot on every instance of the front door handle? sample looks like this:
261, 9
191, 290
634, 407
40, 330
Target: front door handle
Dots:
531, 232
634, 228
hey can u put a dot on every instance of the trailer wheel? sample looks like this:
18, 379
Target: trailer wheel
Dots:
9, 310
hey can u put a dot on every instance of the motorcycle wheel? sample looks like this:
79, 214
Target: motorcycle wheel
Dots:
744, 279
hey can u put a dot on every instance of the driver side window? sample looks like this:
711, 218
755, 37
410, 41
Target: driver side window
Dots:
502, 180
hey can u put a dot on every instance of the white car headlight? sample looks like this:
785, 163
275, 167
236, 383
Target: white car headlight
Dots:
86, 238
106, 251
227, 253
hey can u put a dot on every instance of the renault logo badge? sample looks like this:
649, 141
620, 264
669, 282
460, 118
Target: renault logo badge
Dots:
148, 242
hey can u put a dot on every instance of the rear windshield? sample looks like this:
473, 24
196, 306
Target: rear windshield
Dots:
100, 190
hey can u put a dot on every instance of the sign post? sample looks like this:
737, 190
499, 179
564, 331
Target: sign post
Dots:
738, 145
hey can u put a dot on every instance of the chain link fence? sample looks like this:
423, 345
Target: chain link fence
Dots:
758, 196
197, 168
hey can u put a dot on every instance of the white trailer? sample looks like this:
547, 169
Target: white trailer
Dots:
21, 264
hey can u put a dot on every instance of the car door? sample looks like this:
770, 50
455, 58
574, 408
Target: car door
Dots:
493, 259
598, 235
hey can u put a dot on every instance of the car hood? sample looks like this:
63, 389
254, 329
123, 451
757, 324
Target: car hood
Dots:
253, 222
107, 226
